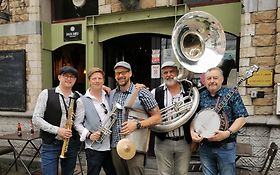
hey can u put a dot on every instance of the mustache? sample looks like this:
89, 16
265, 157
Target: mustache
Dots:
170, 79
213, 83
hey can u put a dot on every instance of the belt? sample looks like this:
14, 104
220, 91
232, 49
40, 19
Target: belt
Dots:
218, 144
175, 138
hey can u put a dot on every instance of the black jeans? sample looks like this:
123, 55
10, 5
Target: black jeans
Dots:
98, 159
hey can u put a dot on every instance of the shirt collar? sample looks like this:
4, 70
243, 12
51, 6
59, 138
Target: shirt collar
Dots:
219, 93
59, 91
87, 94
182, 91
129, 90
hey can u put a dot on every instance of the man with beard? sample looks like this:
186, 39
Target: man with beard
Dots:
218, 152
144, 100
172, 148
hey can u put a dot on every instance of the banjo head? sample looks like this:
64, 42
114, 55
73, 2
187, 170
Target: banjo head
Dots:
206, 123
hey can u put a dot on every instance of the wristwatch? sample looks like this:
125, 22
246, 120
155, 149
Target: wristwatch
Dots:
138, 125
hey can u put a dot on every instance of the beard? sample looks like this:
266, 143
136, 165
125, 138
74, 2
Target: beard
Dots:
122, 82
170, 82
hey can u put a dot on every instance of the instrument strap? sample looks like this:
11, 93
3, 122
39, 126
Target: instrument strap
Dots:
131, 101
64, 104
216, 106
132, 98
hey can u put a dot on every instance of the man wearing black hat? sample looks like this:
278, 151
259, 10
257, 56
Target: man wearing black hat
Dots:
142, 100
50, 115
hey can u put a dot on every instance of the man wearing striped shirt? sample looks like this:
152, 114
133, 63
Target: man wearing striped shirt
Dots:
172, 148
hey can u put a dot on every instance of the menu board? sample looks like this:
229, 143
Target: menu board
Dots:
12, 80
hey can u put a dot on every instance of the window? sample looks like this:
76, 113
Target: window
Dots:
65, 9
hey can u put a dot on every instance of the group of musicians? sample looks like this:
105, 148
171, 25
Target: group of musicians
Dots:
97, 107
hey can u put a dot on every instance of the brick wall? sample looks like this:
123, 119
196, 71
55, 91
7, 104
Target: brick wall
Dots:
259, 45
23, 32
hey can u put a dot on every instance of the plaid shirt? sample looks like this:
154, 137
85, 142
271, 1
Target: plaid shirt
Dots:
146, 99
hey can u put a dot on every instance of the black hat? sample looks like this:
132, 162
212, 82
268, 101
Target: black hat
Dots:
68, 69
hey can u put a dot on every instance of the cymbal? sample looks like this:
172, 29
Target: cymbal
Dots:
126, 149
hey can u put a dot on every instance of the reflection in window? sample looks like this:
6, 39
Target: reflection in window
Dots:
65, 9
230, 60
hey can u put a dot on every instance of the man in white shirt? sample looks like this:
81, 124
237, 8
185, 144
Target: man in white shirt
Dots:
92, 113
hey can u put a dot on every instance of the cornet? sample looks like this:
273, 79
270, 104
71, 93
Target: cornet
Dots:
105, 130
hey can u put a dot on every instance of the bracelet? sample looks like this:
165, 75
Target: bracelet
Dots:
88, 137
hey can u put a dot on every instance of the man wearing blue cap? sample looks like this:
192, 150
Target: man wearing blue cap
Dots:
172, 148
143, 101
50, 115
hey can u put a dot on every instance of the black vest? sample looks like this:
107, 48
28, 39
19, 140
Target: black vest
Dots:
53, 114
159, 96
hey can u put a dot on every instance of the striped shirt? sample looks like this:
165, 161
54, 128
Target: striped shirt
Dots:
168, 101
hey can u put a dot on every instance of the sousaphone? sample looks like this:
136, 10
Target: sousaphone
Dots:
198, 42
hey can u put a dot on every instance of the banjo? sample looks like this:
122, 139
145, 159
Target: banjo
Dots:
209, 120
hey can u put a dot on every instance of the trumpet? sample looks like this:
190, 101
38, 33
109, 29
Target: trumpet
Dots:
105, 130
68, 125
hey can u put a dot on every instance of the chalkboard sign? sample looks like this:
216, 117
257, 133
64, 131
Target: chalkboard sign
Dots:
12, 80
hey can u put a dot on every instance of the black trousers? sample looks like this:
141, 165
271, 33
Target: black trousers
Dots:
98, 159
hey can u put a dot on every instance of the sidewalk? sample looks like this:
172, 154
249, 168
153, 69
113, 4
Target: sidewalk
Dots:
150, 169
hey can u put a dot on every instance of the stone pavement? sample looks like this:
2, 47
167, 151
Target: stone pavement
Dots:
150, 169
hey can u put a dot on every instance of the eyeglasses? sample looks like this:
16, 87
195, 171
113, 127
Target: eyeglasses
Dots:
104, 107
121, 73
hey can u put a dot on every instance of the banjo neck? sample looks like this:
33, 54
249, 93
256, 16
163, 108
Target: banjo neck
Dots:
247, 75
228, 96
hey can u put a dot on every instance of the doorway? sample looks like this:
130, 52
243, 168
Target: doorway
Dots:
135, 49
70, 55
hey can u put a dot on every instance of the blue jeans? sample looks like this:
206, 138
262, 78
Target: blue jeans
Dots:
50, 157
218, 160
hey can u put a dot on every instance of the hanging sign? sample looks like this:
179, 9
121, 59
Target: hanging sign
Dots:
73, 32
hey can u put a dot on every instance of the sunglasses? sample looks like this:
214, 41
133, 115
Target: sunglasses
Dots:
123, 73
104, 107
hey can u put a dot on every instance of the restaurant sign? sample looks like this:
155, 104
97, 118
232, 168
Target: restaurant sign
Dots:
73, 32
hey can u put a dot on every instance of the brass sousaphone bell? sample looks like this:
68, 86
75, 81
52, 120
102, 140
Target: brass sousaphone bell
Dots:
198, 42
